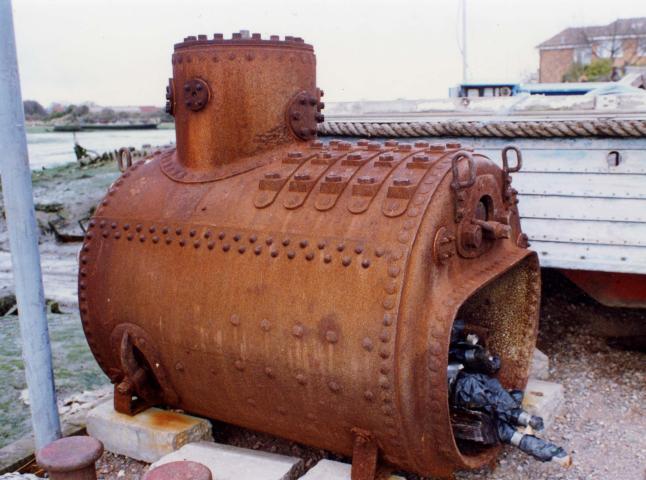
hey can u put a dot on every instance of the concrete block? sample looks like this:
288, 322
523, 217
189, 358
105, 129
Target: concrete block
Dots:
544, 399
540, 367
147, 436
331, 470
234, 463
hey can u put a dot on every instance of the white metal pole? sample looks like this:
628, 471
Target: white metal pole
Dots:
23, 240
465, 66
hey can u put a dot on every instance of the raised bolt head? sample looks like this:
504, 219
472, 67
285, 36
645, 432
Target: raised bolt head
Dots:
401, 182
333, 178
367, 180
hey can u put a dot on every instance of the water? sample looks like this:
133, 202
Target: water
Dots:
50, 149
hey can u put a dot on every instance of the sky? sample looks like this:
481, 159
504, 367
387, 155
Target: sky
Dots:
117, 52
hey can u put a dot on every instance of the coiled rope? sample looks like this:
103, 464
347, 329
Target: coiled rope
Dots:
629, 128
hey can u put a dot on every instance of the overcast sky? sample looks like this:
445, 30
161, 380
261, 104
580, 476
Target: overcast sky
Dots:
117, 52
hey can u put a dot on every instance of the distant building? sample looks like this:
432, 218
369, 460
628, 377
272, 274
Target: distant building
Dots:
623, 41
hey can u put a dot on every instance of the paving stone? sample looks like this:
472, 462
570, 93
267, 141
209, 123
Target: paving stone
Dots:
540, 367
331, 470
147, 436
234, 463
544, 399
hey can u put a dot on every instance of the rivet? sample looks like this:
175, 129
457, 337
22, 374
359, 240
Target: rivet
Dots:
309, 256
385, 336
211, 245
221, 235
242, 249
83, 285
83, 260
265, 324
384, 383
331, 336
151, 229
340, 247
291, 254
253, 238
286, 242
182, 242
179, 366
389, 303
88, 235
196, 244
83, 272
269, 241
192, 233
304, 243
168, 240
384, 353
327, 258
298, 331
300, 378
130, 236
207, 234
333, 386
366, 343
237, 237
165, 230
226, 247
155, 239
105, 234
346, 261
393, 270
365, 263
239, 364
274, 253
102, 224
269, 372
321, 245
92, 223
368, 395
142, 238
251, 402
358, 249
178, 231
385, 370
257, 250
282, 410
113, 225
138, 227
235, 320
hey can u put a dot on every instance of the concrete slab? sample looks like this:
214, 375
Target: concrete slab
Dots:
544, 399
233, 463
331, 470
147, 436
540, 367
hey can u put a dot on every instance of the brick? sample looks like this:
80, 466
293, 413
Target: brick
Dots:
147, 436
330, 470
540, 368
233, 463
544, 399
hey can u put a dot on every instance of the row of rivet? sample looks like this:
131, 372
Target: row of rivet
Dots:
209, 237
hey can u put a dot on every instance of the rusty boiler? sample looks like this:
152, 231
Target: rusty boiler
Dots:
262, 277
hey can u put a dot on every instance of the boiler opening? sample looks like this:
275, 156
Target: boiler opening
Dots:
492, 342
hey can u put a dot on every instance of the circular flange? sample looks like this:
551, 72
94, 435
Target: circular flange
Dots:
196, 94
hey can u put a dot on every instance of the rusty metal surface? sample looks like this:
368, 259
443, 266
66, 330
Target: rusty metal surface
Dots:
70, 458
183, 470
305, 289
